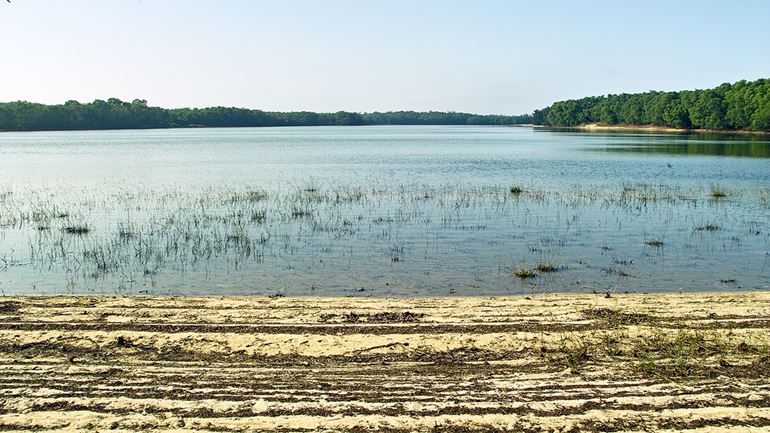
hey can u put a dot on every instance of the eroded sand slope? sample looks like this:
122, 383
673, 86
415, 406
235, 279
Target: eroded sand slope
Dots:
561, 363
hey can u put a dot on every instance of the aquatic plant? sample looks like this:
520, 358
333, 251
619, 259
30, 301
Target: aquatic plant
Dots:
654, 242
544, 266
258, 216
709, 227
77, 229
718, 191
525, 273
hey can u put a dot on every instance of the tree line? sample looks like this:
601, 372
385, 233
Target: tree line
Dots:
742, 105
116, 114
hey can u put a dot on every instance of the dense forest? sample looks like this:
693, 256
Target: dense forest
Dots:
739, 106
116, 114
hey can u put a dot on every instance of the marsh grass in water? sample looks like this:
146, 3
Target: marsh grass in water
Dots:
79, 229
392, 240
718, 191
546, 267
525, 273
656, 242
709, 227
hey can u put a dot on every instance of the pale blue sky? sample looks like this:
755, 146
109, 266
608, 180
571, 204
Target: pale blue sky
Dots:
478, 56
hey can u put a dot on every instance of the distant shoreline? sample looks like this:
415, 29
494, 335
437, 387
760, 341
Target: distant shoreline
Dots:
645, 128
591, 127
252, 127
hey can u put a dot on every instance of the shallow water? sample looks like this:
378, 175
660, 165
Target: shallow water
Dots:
381, 211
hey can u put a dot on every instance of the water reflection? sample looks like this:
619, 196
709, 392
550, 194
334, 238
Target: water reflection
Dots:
685, 143
746, 149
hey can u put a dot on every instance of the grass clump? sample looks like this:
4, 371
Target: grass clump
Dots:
126, 233
516, 190
381, 317
547, 267
248, 196
684, 354
654, 242
661, 355
577, 355
718, 192
299, 212
79, 229
9, 307
709, 227
254, 196
258, 216
615, 318
525, 273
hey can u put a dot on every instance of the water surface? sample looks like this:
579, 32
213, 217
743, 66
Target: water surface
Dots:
381, 211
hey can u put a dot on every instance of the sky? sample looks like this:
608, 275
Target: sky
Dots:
501, 57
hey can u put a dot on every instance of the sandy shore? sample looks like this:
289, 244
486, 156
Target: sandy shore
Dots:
556, 363
647, 128
655, 128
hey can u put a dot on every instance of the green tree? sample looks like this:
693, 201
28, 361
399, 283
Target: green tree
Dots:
676, 115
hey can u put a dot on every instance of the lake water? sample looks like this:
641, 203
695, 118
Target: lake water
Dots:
383, 211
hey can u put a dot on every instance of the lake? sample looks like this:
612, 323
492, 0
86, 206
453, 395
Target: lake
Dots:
382, 211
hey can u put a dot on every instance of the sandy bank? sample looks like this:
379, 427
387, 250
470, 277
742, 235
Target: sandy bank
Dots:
675, 362
648, 128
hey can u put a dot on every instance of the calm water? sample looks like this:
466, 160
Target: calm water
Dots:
381, 211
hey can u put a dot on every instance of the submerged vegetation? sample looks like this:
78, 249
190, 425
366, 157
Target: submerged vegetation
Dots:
744, 105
